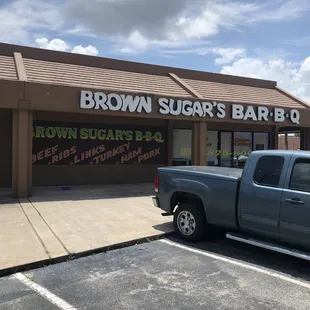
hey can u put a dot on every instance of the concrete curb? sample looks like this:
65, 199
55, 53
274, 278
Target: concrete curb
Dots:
46, 262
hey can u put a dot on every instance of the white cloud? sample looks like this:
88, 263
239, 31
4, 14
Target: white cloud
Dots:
171, 23
88, 50
55, 44
135, 43
142, 25
225, 55
286, 9
292, 77
18, 18
62, 46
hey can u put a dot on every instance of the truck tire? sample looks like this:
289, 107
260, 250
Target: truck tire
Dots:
189, 222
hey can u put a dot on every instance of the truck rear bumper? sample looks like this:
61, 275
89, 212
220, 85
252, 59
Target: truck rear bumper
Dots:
155, 202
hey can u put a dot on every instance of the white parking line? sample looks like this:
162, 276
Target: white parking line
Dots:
237, 263
52, 298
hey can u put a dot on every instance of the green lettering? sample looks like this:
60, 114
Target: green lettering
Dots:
148, 136
72, 133
62, 132
129, 135
119, 135
84, 133
110, 135
92, 134
40, 132
139, 136
101, 134
50, 132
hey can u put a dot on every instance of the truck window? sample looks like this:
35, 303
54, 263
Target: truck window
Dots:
300, 177
268, 170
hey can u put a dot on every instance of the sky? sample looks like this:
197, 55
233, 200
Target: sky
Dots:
268, 39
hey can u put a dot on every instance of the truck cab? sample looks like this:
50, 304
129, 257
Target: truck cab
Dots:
274, 196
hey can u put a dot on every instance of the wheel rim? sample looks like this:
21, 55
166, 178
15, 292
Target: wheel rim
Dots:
186, 223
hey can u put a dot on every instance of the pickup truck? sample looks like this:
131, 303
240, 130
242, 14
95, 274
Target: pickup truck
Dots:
266, 204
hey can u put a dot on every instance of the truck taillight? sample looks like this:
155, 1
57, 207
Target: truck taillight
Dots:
156, 183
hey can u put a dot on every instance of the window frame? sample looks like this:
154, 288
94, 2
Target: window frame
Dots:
296, 161
256, 167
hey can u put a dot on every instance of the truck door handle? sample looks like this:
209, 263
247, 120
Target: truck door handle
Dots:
295, 201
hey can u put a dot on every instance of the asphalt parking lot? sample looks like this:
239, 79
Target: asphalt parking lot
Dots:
165, 274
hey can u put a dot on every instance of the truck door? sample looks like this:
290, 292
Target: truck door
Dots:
260, 195
295, 205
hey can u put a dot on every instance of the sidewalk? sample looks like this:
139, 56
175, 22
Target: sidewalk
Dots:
55, 223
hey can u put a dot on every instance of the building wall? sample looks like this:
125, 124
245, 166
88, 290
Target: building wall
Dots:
6, 148
49, 175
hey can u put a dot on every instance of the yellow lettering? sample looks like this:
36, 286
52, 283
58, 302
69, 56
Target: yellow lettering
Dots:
158, 137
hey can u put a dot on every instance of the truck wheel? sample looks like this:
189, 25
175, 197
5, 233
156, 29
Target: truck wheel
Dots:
189, 222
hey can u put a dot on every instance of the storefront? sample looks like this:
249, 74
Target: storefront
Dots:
71, 119
224, 148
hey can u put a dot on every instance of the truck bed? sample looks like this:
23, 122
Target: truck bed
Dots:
216, 186
210, 171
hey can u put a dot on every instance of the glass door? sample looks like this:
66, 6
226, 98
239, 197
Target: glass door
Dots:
261, 141
225, 151
242, 148
212, 148
182, 147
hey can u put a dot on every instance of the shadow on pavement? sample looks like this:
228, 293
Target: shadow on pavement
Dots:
80, 193
277, 262
91, 192
165, 227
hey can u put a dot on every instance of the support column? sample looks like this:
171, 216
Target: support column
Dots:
305, 139
170, 142
199, 146
22, 152
274, 143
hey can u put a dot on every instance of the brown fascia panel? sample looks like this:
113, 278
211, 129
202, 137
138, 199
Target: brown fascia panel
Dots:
122, 65
284, 92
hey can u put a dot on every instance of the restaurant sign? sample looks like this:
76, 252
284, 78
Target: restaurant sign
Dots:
210, 109
65, 143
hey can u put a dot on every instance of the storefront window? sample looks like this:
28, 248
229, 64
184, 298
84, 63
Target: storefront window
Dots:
225, 149
242, 147
212, 148
233, 150
182, 146
71, 143
261, 141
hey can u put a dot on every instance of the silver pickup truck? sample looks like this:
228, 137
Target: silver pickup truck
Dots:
266, 204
